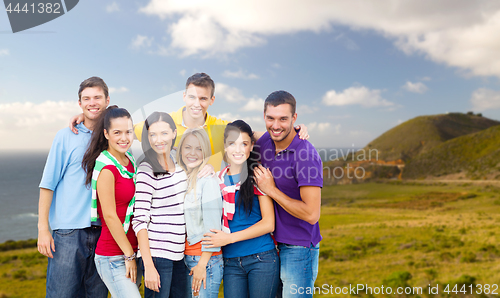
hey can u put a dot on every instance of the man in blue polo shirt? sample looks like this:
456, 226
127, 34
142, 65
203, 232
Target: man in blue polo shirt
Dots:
65, 204
292, 175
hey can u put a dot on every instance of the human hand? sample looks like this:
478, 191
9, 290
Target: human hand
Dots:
46, 243
131, 269
264, 179
152, 278
216, 239
199, 273
303, 133
206, 171
75, 120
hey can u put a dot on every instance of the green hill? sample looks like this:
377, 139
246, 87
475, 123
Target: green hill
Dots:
477, 155
419, 135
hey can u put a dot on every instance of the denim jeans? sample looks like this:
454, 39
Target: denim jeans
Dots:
215, 268
253, 276
172, 278
113, 272
72, 272
299, 269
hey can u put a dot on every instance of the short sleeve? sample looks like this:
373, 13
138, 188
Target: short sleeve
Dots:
56, 163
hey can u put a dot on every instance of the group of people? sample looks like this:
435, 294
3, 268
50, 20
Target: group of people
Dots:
182, 217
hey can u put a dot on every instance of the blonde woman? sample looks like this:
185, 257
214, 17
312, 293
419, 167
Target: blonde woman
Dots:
202, 212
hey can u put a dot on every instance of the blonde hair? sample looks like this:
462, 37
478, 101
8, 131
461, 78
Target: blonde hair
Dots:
192, 174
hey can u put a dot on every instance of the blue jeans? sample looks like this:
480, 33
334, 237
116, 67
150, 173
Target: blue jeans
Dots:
172, 278
72, 271
254, 276
299, 269
215, 268
113, 272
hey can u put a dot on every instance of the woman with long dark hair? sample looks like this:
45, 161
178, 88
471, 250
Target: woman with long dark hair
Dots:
251, 263
159, 212
110, 171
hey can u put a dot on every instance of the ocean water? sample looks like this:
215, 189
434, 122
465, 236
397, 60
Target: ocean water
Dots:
20, 174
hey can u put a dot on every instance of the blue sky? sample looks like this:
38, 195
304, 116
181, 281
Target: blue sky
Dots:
356, 68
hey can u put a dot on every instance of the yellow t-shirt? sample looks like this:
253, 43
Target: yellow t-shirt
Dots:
213, 126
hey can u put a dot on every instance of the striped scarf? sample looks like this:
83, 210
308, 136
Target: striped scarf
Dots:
228, 198
106, 159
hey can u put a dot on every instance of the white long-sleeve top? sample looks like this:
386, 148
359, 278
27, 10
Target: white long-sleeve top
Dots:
159, 208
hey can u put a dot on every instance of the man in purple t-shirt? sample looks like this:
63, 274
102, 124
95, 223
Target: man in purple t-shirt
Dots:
292, 175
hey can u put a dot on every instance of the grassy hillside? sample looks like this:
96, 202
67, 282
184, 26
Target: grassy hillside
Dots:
421, 134
410, 234
477, 155
391, 234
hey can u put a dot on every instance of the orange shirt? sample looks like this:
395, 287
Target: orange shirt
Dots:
195, 250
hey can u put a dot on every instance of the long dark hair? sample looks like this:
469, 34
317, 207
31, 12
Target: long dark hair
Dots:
98, 142
246, 191
150, 156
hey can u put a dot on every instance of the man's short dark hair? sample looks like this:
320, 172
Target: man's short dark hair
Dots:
201, 79
93, 82
278, 98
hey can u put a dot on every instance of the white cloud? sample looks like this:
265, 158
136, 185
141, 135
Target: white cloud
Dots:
4, 52
233, 94
425, 79
322, 127
240, 74
31, 126
182, 72
485, 99
200, 34
358, 95
254, 104
228, 93
113, 90
142, 41
276, 65
113, 7
457, 33
417, 87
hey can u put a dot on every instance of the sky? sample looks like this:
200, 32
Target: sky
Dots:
356, 68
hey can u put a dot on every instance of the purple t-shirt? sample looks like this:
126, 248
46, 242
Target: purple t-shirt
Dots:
296, 166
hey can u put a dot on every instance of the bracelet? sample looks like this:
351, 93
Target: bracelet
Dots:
131, 258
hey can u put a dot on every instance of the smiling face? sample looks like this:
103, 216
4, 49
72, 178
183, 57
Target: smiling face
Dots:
93, 102
120, 134
191, 152
238, 147
197, 100
279, 121
160, 136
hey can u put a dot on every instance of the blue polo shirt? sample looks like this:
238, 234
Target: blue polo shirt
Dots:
298, 165
63, 174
